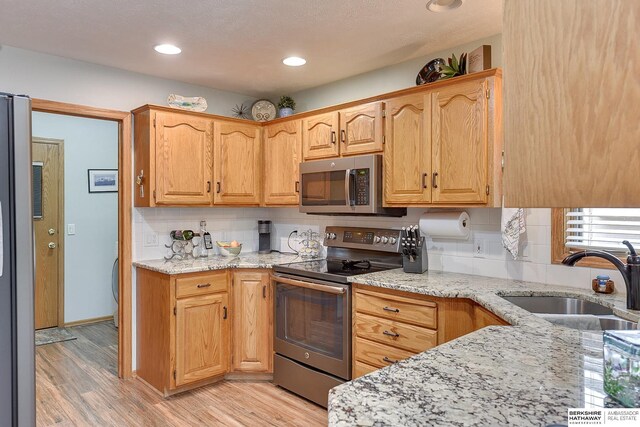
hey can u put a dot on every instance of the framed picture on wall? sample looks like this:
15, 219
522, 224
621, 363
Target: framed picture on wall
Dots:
103, 180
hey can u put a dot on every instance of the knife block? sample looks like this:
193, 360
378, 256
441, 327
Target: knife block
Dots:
418, 264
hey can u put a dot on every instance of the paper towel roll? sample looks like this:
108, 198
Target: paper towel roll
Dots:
445, 225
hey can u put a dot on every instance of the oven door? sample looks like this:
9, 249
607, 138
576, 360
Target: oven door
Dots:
327, 186
313, 323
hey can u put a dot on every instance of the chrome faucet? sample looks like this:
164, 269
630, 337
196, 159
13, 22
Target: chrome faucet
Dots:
630, 271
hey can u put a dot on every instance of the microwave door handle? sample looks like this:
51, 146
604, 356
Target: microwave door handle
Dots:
348, 173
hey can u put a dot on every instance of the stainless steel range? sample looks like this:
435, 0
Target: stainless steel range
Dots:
312, 338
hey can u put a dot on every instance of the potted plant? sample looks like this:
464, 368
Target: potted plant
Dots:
286, 106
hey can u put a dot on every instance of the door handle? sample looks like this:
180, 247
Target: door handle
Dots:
264, 292
333, 137
208, 186
218, 186
52, 245
51, 232
424, 180
204, 285
391, 309
434, 184
343, 136
391, 334
297, 186
224, 312
386, 359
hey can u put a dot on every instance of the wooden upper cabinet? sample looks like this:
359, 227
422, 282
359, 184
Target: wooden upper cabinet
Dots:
361, 129
320, 136
407, 155
459, 143
202, 338
282, 157
571, 116
183, 147
252, 322
237, 163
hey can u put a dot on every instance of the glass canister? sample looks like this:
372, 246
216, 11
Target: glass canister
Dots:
622, 366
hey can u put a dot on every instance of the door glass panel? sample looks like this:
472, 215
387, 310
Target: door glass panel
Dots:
323, 189
310, 319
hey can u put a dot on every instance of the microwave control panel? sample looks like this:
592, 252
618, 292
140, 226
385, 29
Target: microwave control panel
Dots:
362, 179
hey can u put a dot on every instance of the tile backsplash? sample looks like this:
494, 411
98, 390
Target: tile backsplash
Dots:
481, 254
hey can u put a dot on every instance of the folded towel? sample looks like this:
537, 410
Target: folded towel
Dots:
583, 322
512, 226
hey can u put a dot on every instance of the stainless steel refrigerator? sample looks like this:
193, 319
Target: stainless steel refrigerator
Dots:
17, 348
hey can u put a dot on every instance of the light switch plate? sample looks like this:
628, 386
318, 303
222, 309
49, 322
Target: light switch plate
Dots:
71, 229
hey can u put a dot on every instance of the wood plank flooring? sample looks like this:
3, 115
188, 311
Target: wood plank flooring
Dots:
77, 385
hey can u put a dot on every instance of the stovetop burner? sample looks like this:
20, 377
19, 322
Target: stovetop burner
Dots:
363, 264
333, 270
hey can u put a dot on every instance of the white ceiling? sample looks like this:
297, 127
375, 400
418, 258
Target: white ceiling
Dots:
238, 45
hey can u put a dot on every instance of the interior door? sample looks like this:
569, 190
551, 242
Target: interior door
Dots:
47, 196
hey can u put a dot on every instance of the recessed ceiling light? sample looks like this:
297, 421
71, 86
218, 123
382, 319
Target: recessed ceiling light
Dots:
167, 49
443, 5
294, 61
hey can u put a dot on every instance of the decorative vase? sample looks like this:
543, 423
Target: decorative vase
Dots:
286, 112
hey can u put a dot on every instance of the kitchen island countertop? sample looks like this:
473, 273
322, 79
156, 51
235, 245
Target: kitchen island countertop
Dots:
527, 374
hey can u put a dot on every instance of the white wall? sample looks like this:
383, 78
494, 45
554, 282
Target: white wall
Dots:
66, 80
90, 253
388, 79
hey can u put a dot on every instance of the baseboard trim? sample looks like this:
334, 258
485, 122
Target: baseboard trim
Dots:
88, 321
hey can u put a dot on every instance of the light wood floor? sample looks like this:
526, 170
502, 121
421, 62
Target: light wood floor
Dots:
77, 385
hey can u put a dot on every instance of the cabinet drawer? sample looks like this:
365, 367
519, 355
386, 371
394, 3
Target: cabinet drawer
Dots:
421, 313
201, 285
378, 355
361, 368
398, 334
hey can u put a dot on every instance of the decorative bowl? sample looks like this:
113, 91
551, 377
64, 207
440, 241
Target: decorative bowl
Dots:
229, 250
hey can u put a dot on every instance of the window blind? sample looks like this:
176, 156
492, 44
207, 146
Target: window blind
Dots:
602, 228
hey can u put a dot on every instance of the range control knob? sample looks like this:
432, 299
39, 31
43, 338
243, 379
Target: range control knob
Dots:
385, 239
376, 239
392, 240
332, 236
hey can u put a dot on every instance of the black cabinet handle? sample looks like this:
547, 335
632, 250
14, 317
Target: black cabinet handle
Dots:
394, 310
208, 186
434, 184
218, 186
264, 292
424, 180
224, 312
386, 359
204, 285
391, 334
333, 137
343, 136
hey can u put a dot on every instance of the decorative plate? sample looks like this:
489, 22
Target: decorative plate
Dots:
263, 110
195, 103
430, 72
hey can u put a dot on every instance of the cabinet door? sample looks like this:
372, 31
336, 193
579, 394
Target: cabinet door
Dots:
459, 143
202, 338
252, 331
237, 163
282, 157
319, 136
183, 159
361, 129
407, 155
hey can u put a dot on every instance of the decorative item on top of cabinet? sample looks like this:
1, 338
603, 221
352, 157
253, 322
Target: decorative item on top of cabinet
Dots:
252, 322
571, 115
407, 155
320, 136
286, 105
282, 157
459, 143
361, 129
237, 165
263, 110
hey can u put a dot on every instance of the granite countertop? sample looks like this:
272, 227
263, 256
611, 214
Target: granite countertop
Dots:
217, 262
526, 374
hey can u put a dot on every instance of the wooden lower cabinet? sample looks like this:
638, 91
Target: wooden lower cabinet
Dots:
389, 326
183, 329
252, 322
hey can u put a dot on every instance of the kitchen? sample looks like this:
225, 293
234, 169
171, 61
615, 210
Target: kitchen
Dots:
231, 199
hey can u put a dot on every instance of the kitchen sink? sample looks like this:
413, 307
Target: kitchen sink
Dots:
571, 312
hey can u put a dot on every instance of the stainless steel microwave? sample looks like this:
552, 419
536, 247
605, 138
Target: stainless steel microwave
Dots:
344, 186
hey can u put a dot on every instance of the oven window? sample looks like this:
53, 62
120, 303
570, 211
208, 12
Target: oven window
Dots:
323, 189
310, 319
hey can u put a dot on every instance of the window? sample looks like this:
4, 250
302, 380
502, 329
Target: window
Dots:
578, 229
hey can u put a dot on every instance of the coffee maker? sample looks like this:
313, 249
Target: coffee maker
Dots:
264, 236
